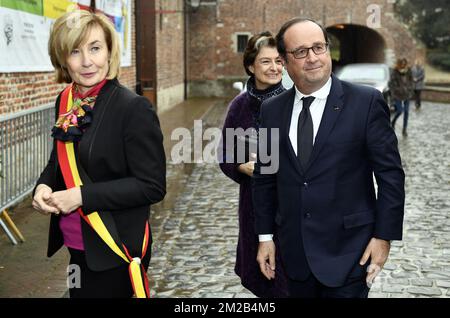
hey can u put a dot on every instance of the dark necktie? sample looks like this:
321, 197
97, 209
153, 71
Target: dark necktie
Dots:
305, 132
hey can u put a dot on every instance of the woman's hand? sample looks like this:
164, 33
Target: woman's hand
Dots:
41, 200
247, 168
67, 201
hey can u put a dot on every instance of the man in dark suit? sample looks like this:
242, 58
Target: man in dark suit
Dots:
321, 203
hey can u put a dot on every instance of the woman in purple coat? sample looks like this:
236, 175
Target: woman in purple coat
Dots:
264, 66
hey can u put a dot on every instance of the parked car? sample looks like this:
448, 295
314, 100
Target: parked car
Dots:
371, 74
286, 80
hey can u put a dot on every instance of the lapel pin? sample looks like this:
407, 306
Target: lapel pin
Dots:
336, 108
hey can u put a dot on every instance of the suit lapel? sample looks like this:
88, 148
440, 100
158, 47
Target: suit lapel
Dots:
99, 109
333, 109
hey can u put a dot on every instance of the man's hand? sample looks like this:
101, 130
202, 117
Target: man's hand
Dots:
378, 251
266, 259
41, 200
67, 201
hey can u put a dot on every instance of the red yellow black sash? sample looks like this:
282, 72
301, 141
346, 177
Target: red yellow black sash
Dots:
69, 168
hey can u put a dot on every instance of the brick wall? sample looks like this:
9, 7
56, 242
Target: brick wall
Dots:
170, 29
19, 91
214, 63
438, 95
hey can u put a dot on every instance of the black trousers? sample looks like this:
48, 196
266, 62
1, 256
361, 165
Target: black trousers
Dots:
85, 283
417, 97
312, 288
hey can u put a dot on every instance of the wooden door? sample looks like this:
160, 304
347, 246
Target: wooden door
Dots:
146, 49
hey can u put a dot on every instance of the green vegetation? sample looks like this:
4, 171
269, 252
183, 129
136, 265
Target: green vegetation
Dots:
429, 22
335, 49
440, 59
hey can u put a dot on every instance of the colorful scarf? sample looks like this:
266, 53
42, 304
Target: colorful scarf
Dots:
71, 124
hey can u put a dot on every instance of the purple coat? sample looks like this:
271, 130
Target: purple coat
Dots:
242, 112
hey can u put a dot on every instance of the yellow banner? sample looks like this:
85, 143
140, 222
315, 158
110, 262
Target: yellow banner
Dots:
53, 9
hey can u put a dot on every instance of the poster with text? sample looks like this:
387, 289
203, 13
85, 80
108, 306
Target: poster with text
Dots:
119, 11
25, 29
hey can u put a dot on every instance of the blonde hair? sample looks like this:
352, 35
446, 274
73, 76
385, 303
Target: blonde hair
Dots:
70, 31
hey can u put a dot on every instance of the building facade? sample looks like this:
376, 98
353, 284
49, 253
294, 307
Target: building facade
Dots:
193, 48
25, 90
361, 31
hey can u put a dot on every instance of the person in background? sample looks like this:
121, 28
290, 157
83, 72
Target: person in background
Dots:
264, 66
107, 165
401, 88
418, 74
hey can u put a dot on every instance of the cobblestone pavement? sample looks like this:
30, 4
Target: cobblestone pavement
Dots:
25, 271
419, 266
195, 239
195, 235
195, 229
193, 254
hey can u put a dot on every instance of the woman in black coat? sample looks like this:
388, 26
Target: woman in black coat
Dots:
111, 138
263, 64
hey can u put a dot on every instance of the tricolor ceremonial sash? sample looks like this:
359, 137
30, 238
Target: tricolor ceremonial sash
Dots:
69, 168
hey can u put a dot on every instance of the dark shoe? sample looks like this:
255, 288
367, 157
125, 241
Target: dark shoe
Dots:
405, 134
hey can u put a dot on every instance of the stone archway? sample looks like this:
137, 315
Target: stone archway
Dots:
358, 44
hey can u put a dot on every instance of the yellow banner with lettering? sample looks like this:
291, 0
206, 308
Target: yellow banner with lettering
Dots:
53, 9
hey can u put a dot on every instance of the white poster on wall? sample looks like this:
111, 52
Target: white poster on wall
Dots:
25, 29
119, 11
23, 42
124, 29
86, 3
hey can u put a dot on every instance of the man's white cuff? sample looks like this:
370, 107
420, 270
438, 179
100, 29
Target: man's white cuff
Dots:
265, 237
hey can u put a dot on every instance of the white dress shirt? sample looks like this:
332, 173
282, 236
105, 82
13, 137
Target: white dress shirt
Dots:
317, 107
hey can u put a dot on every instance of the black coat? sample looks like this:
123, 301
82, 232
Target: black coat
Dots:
241, 114
326, 214
122, 153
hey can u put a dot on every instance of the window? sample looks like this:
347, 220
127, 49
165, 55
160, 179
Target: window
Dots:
242, 40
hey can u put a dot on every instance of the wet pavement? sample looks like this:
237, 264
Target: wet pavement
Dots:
195, 239
419, 266
25, 271
195, 248
195, 227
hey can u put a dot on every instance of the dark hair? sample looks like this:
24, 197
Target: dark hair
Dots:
401, 62
280, 36
254, 45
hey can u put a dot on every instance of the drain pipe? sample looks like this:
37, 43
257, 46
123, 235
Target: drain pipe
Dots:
186, 25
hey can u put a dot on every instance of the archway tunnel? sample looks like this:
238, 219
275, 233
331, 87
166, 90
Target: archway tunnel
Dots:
352, 43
